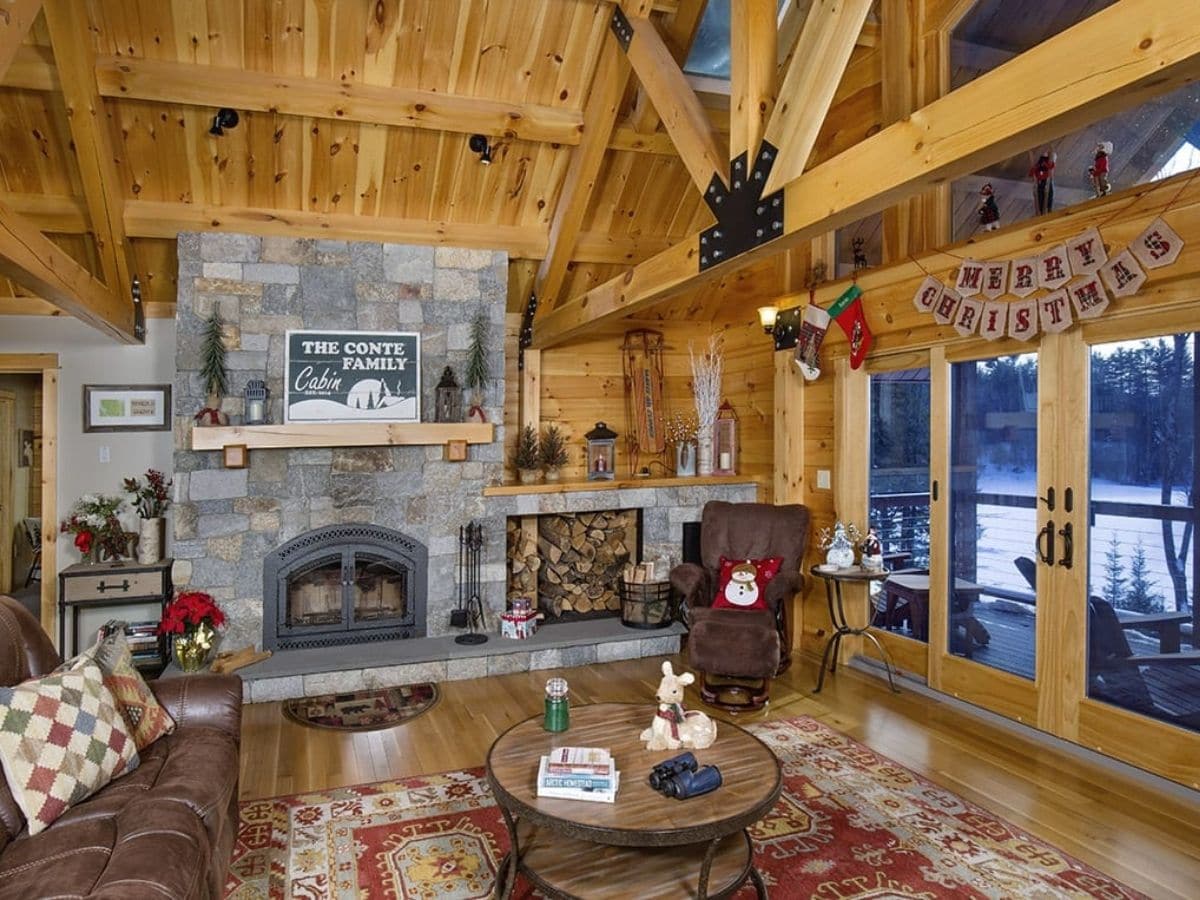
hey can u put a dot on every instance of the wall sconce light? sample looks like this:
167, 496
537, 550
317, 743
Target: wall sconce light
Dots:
766, 318
479, 144
225, 118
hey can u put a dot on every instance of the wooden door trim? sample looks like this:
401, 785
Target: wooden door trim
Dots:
8, 489
45, 364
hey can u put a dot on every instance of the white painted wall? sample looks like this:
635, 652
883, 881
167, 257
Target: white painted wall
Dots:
85, 356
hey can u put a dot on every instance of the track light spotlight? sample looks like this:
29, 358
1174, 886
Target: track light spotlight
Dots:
479, 144
225, 118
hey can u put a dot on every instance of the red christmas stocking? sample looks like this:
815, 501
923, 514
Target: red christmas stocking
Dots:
848, 311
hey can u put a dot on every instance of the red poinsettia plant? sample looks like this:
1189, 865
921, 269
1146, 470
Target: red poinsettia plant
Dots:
189, 612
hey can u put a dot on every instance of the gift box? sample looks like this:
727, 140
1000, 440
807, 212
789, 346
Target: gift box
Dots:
519, 624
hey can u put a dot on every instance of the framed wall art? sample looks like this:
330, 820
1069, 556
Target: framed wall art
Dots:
126, 407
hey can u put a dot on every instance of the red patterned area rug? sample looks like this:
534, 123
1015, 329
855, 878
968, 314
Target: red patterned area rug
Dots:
363, 710
850, 824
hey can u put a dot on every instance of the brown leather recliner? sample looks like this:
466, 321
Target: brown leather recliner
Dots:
745, 645
164, 830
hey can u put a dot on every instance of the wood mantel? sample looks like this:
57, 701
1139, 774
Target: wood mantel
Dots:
348, 434
570, 487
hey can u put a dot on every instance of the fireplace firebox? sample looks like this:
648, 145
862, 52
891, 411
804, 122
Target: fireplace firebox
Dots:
344, 584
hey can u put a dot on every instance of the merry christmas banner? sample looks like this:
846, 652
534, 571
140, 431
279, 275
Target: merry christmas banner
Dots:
1076, 278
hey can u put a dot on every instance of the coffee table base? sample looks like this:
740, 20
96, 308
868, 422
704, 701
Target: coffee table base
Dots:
574, 869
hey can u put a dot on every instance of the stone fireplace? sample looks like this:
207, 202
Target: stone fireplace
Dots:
344, 584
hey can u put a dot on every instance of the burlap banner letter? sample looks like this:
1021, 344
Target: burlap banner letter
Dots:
1054, 269
1123, 275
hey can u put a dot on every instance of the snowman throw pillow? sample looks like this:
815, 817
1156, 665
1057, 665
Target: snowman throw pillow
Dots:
742, 583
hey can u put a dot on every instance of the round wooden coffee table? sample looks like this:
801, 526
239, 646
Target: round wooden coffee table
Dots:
645, 844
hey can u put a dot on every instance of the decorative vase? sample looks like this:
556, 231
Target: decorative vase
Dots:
685, 459
152, 540
704, 454
193, 650
841, 552
529, 476
553, 475
92, 557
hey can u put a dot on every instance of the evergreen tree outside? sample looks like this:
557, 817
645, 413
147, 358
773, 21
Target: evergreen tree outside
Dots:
1114, 574
1140, 597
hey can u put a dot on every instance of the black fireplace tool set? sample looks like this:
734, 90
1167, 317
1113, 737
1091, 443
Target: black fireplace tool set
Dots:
469, 613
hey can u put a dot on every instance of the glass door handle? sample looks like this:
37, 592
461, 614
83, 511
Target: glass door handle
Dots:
1067, 532
1047, 532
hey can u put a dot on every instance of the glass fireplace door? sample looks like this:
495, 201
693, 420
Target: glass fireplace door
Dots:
315, 598
379, 592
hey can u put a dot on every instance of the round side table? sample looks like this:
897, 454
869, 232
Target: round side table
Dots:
834, 579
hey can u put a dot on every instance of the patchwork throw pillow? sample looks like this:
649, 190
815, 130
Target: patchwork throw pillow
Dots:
146, 718
742, 583
61, 740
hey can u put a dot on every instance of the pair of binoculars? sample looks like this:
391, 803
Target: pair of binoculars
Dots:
682, 777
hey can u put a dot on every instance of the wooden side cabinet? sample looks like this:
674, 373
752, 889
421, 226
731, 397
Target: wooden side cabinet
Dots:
126, 583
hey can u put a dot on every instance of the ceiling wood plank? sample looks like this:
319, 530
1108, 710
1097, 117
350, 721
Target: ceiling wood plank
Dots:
95, 152
1024, 103
699, 146
16, 18
599, 115
39, 265
752, 35
822, 51
50, 212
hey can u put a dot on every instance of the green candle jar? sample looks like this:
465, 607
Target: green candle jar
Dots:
558, 707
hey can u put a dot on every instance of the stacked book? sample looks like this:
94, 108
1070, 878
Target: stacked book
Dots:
578, 773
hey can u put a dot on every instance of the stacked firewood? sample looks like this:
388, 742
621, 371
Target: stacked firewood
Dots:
576, 560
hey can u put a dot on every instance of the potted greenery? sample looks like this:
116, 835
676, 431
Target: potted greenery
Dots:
477, 368
528, 457
151, 499
553, 451
213, 371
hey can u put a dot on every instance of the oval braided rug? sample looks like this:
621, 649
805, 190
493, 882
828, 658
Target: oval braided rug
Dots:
363, 710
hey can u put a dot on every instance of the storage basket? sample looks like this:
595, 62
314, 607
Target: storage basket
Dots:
646, 605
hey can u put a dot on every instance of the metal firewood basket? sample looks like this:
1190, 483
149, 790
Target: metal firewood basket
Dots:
646, 605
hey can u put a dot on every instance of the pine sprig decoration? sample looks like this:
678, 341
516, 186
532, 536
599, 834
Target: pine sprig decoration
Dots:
554, 447
528, 454
477, 355
212, 353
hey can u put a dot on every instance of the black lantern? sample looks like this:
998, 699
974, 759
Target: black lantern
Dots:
256, 396
448, 399
601, 453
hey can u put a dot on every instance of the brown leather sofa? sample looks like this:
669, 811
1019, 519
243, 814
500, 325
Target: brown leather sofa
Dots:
165, 830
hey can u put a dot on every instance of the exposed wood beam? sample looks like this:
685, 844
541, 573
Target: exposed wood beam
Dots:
696, 141
354, 101
50, 212
1117, 59
599, 115
822, 52
16, 18
752, 34
32, 69
679, 31
42, 267
95, 152
154, 219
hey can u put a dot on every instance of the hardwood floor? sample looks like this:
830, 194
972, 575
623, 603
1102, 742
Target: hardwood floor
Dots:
1146, 838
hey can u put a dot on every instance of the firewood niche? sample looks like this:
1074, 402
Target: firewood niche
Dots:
569, 563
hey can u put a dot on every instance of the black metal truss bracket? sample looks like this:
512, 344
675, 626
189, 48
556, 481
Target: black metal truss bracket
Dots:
525, 338
620, 27
745, 219
787, 327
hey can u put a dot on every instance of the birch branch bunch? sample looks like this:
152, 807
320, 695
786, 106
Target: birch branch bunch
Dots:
706, 381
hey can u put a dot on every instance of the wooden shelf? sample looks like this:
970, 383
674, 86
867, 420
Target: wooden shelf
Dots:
347, 434
568, 487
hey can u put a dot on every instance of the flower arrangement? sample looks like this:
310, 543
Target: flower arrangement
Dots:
681, 428
192, 618
94, 522
152, 498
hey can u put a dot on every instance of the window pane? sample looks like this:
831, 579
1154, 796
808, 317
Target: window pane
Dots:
993, 490
1142, 571
899, 490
